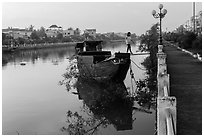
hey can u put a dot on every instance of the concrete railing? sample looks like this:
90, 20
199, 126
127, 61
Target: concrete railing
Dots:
166, 105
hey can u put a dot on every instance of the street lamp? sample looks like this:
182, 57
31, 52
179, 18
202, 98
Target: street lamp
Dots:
160, 15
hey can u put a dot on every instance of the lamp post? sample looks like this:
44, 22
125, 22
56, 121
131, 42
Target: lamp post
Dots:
160, 15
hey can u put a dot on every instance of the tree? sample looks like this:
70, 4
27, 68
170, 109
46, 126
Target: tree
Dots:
77, 31
181, 29
34, 35
3, 36
70, 28
59, 36
5, 39
31, 28
21, 40
187, 40
41, 33
149, 42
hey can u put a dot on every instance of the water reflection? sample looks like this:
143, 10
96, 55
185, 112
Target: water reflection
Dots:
40, 106
56, 55
105, 103
145, 97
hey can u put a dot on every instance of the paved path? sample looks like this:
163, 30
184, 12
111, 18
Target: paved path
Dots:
186, 85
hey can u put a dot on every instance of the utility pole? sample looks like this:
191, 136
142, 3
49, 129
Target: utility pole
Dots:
194, 17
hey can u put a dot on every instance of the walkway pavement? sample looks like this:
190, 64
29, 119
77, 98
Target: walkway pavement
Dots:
186, 85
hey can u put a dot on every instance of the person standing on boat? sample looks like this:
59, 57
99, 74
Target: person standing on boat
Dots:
128, 41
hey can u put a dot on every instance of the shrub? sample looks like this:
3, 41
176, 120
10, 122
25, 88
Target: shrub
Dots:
187, 39
197, 43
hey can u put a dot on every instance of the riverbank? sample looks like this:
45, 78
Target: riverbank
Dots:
9, 49
186, 85
48, 45
44, 45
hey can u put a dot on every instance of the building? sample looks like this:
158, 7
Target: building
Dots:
199, 23
17, 33
189, 24
120, 34
91, 32
55, 28
67, 32
53, 31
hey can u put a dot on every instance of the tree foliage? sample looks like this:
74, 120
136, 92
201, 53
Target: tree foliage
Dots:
41, 33
185, 39
31, 28
149, 42
34, 35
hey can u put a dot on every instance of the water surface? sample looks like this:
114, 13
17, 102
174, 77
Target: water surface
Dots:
34, 102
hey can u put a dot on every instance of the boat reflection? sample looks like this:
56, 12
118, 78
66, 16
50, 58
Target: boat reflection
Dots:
109, 100
105, 103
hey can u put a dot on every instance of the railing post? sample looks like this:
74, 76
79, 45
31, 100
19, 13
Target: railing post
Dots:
162, 81
166, 115
166, 105
161, 56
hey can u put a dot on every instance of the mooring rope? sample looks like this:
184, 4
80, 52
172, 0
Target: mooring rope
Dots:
142, 68
137, 65
132, 77
132, 74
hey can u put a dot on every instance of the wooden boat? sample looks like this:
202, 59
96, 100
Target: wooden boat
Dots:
101, 65
89, 46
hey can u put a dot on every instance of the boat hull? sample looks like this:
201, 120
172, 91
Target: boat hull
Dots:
98, 71
123, 65
103, 67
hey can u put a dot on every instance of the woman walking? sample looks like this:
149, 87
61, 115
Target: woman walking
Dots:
128, 42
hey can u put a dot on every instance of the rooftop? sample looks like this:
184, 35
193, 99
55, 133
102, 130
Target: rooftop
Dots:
53, 26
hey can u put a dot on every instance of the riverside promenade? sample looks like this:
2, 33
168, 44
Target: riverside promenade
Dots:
186, 85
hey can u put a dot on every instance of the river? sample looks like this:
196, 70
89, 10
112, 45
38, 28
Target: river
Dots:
34, 103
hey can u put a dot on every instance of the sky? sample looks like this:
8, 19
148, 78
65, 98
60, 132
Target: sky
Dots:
103, 16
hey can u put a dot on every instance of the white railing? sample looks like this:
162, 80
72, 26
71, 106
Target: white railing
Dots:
166, 105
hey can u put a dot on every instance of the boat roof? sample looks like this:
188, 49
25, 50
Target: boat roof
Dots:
93, 42
91, 53
90, 43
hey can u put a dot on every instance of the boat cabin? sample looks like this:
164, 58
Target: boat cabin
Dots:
88, 46
93, 57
